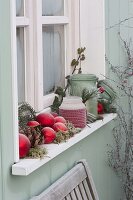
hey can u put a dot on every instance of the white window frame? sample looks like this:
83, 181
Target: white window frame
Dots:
42, 101
34, 59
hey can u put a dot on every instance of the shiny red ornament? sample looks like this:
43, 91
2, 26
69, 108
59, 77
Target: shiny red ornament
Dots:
33, 123
59, 126
49, 135
24, 145
101, 89
45, 119
100, 108
60, 119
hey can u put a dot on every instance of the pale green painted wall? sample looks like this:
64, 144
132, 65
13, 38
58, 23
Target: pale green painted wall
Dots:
93, 148
116, 11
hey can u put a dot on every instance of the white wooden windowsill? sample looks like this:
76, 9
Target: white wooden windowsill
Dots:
26, 166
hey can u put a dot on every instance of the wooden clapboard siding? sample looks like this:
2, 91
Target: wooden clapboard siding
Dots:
1, 177
93, 148
115, 12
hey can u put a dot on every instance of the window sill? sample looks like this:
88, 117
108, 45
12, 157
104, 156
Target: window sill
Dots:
26, 166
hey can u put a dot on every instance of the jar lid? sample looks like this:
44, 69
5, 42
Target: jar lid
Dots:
85, 77
72, 99
72, 103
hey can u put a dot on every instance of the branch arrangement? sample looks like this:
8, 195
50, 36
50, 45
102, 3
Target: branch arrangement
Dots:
120, 155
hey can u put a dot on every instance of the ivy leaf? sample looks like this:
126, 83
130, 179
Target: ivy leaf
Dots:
60, 91
67, 77
73, 63
55, 105
82, 57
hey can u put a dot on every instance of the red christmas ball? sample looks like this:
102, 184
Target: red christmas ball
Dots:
101, 89
60, 119
59, 126
45, 119
100, 108
49, 135
24, 145
33, 123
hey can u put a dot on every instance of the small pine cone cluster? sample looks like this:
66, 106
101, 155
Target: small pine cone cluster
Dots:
34, 134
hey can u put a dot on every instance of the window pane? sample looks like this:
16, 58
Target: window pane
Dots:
19, 7
53, 58
20, 64
52, 7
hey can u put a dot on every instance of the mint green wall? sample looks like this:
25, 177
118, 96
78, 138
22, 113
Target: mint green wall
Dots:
93, 148
116, 11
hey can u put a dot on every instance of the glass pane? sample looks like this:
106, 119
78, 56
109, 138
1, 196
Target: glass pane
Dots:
53, 58
19, 7
20, 64
52, 7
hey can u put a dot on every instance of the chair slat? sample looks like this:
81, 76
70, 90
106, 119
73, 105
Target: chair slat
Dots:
78, 194
87, 190
73, 195
76, 184
82, 190
68, 197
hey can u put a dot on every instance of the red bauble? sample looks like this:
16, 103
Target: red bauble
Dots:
45, 119
33, 123
49, 135
24, 145
101, 89
100, 108
60, 119
59, 126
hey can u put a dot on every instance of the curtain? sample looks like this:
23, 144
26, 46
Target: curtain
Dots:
53, 57
20, 64
19, 7
52, 7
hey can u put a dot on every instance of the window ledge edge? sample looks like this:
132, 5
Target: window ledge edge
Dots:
26, 166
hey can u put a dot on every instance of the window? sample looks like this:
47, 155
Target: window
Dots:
46, 34
41, 35
45, 41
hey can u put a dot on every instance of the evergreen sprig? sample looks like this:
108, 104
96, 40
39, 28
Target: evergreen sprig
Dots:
25, 113
63, 136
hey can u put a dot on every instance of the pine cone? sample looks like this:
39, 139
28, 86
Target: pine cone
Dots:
34, 134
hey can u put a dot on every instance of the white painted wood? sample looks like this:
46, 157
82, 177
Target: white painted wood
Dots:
29, 56
38, 56
48, 100
54, 20
75, 26
92, 31
26, 166
87, 190
22, 21
82, 189
77, 191
14, 80
72, 33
